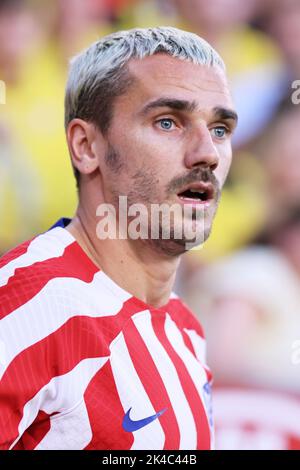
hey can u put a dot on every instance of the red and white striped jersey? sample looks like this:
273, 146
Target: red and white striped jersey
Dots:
86, 365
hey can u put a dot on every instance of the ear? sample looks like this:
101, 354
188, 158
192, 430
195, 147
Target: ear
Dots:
83, 140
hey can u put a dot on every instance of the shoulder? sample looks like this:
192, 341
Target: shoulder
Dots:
40, 248
41, 271
27, 268
43, 284
184, 316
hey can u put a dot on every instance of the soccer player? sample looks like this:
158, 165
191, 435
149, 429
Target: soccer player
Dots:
96, 352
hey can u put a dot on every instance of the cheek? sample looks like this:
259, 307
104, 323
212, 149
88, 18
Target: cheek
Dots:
225, 160
146, 149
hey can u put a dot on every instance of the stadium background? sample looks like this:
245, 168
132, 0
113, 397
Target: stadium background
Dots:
245, 283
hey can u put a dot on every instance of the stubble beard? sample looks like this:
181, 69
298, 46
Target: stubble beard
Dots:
144, 191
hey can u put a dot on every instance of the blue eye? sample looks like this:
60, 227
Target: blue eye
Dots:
220, 132
166, 124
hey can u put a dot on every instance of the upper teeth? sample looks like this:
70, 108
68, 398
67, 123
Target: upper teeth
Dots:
197, 191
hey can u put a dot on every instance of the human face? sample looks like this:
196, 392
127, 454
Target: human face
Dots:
171, 131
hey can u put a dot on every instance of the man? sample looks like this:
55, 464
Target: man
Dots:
97, 353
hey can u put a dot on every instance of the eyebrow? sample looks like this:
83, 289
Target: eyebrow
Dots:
187, 106
225, 113
178, 105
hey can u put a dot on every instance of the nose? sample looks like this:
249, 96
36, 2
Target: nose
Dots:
201, 150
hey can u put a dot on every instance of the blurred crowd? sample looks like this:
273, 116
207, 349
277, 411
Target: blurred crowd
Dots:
245, 283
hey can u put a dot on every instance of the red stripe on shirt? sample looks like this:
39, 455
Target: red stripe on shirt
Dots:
153, 385
14, 253
188, 343
55, 355
79, 338
28, 281
101, 396
188, 386
35, 433
184, 317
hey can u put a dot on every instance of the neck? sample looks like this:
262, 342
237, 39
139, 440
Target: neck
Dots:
132, 264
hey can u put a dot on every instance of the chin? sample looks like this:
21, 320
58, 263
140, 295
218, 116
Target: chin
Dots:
195, 234
170, 248
178, 246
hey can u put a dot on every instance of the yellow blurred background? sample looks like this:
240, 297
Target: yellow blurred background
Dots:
244, 283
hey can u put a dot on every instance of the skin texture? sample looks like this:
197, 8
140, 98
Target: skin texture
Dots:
149, 156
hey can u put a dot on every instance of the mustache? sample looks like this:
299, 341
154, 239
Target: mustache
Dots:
195, 176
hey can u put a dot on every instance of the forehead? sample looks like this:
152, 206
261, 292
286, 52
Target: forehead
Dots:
162, 75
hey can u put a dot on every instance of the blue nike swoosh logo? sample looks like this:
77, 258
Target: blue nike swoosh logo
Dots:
130, 426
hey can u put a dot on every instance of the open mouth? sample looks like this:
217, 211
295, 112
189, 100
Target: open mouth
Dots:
197, 192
